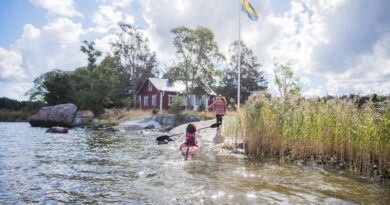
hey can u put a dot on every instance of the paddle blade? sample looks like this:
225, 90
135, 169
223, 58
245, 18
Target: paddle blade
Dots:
163, 138
215, 125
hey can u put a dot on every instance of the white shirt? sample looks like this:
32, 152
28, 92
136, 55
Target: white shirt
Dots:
183, 137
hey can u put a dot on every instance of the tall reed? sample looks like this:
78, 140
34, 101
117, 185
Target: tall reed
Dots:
313, 128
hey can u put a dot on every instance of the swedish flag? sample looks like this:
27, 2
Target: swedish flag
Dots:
247, 8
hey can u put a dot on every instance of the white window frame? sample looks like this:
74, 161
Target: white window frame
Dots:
146, 101
150, 87
154, 100
169, 99
205, 99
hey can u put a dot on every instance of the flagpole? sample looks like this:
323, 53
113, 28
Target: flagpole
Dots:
239, 56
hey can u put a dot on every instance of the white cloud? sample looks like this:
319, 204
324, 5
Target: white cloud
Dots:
108, 16
314, 92
346, 42
60, 7
39, 50
324, 38
11, 66
117, 3
17, 90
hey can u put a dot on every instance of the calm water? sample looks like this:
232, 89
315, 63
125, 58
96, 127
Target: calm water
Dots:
129, 168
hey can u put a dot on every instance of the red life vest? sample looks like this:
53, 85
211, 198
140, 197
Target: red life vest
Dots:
190, 139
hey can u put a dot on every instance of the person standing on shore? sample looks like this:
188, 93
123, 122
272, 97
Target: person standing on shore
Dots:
220, 108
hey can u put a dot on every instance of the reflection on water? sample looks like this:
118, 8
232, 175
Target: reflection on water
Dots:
90, 167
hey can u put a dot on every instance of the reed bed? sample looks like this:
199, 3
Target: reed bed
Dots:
336, 131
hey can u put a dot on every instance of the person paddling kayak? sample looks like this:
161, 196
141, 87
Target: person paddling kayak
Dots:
191, 144
220, 108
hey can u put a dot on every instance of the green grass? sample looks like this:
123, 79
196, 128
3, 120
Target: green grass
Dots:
106, 123
311, 128
201, 115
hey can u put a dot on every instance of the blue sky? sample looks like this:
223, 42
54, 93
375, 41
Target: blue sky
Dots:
335, 46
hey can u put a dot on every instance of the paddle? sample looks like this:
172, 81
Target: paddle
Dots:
187, 153
167, 138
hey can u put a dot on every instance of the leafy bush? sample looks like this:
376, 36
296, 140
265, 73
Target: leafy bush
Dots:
176, 110
155, 111
201, 107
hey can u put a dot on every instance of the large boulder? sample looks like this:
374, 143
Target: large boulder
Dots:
58, 115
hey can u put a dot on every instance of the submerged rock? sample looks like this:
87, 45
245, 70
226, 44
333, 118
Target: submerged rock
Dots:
58, 115
62, 130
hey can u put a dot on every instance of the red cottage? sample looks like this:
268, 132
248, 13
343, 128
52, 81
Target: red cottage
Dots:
159, 93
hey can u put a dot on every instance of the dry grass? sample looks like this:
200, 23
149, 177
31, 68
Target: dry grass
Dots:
118, 114
314, 129
14, 116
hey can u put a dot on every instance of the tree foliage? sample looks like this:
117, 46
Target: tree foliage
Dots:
197, 53
132, 50
53, 88
286, 80
252, 77
89, 49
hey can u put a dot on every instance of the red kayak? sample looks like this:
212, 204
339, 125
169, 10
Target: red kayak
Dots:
189, 150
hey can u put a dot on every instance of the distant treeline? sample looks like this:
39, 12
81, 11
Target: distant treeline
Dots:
17, 111
7, 104
359, 100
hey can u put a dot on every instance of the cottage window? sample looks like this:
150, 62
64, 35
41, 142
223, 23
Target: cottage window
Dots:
150, 86
204, 101
170, 99
146, 101
184, 100
154, 100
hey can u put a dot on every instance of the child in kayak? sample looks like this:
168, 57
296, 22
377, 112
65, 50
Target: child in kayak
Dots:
191, 136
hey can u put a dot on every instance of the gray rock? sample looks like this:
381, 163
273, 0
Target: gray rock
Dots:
167, 129
138, 124
238, 151
164, 119
57, 130
109, 129
192, 119
58, 115
149, 126
83, 117
133, 128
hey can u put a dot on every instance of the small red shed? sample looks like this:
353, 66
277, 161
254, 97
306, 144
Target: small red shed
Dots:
159, 93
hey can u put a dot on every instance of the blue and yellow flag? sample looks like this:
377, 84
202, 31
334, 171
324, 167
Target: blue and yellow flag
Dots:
247, 8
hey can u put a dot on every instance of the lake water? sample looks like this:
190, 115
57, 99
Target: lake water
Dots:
129, 168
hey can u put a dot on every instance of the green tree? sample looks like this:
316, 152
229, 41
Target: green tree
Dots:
101, 95
89, 49
176, 109
132, 50
286, 80
53, 87
252, 77
197, 52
